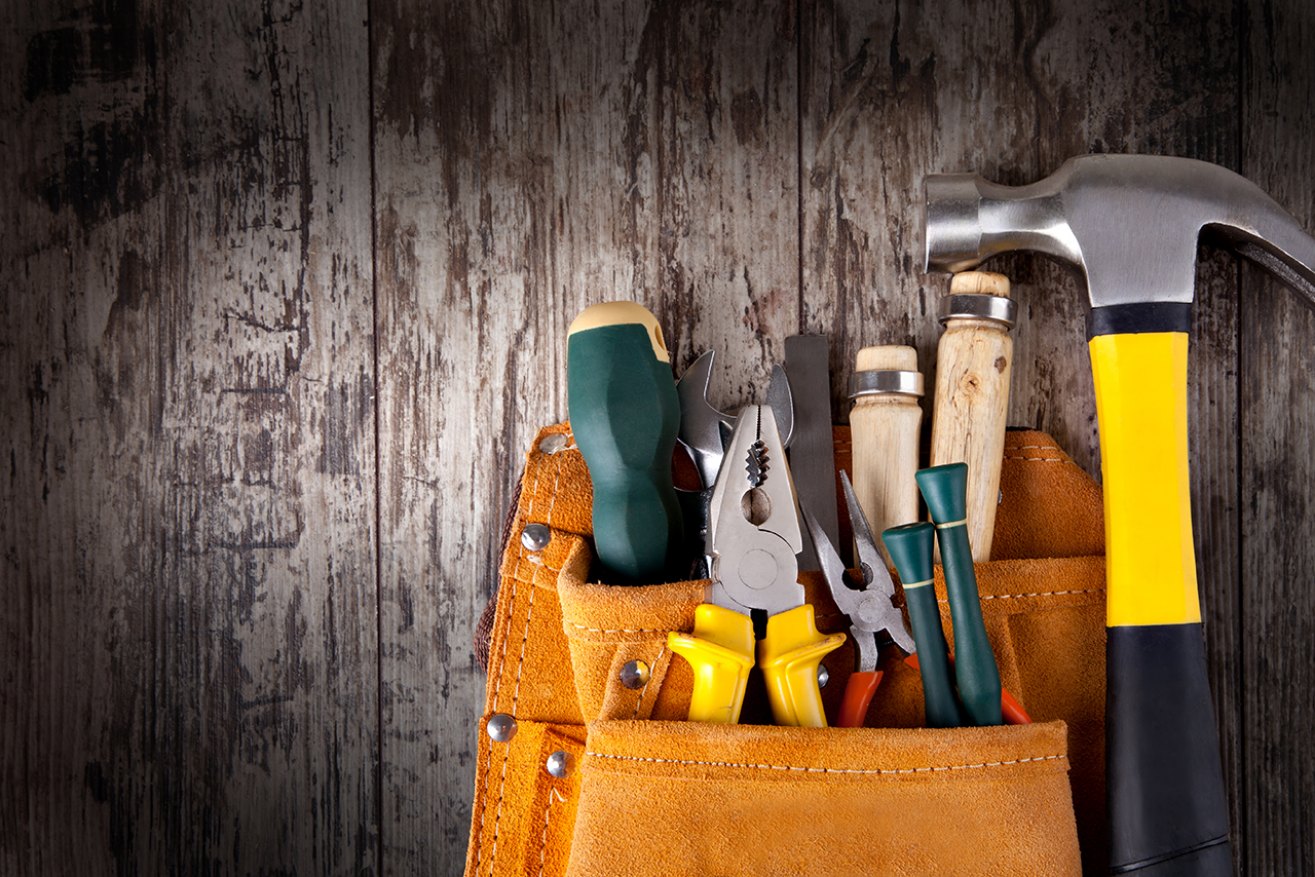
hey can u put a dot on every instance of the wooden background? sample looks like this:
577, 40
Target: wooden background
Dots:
285, 291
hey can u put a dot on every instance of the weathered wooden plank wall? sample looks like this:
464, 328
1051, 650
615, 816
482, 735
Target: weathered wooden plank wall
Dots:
190, 648
1277, 561
285, 295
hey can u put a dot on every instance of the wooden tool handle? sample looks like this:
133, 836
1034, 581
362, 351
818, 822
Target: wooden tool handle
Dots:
885, 427
973, 364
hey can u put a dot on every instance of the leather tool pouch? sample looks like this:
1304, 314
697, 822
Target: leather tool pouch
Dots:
647, 793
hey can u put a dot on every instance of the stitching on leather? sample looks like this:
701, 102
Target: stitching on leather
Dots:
547, 812
497, 694
662, 631
497, 691
841, 770
652, 673
520, 664
556, 483
529, 610
1036, 594
619, 629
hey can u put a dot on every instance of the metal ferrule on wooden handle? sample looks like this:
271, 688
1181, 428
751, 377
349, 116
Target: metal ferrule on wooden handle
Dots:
885, 423
973, 363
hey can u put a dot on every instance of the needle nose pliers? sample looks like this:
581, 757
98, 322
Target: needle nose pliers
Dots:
874, 619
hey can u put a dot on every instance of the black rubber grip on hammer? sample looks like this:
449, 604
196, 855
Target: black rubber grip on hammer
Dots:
1139, 318
1167, 804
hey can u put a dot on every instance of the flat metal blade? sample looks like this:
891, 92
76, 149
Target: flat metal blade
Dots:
812, 452
781, 401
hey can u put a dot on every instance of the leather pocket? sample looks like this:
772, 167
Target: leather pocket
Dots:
524, 812
1045, 619
690, 798
559, 643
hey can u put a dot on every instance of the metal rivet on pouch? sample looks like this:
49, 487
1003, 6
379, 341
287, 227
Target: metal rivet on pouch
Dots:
501, 727
551, 444
823, 675
536, 537
634, 674
559, 763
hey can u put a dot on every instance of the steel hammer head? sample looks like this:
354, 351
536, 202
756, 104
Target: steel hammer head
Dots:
1129, 223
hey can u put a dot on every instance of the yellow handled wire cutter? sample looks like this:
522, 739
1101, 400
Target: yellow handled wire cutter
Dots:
754, 538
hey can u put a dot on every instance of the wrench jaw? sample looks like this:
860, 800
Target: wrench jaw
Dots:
780, 398
703, 428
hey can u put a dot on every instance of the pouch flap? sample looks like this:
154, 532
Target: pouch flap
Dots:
736, 799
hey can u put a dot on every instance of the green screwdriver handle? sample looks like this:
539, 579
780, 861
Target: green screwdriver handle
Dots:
625, 415
910, 548
945, 490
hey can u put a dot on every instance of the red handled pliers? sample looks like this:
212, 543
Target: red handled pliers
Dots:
874, 619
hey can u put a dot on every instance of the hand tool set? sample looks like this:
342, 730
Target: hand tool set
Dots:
748, 514
730, 583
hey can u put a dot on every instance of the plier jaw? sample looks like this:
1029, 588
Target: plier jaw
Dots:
873, 615
754, 532
754, 540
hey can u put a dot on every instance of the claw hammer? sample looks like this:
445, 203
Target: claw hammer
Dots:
1130, 224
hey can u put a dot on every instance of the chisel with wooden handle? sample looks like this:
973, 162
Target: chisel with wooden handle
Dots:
625, 415
884, 424
973, 362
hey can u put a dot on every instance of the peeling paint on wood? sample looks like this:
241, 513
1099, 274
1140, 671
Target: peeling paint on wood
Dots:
1275, 664
190, 680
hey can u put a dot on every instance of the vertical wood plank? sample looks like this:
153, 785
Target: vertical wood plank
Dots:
483, 142
190, 671
897, 91
532, 159
1278, 419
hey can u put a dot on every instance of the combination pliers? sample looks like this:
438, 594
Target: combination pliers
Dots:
753, 539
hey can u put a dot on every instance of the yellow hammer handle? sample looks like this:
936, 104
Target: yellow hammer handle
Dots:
789, 657
1141, 406
1167, 802
721, 652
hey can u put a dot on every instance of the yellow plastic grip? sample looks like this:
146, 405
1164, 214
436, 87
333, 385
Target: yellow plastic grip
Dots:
1141, 410
789, 657
721, 652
